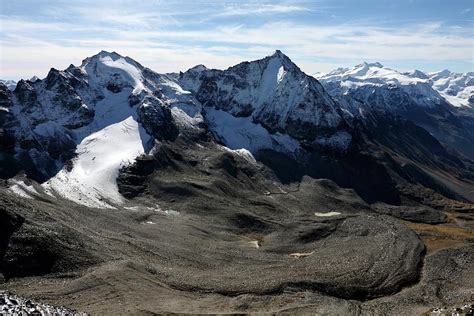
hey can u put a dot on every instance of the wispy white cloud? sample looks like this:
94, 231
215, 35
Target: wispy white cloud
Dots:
164, 42
260, 9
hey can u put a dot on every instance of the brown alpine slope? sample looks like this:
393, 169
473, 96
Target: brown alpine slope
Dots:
209, 230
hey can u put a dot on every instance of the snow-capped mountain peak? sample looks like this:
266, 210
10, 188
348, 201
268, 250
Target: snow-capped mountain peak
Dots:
111, 55
10, 84
429, 89
416, 74
372, 73
440, 74
368, 74
368, 65
279, 55
272, 91
456, 88
380, 88
113, 70
198, 68
427, 99
109, 107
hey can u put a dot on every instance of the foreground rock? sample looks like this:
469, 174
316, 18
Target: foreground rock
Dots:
11, 304
463, 310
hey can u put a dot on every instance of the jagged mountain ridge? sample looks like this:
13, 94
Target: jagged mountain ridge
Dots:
53, 122
76, 129
272, 91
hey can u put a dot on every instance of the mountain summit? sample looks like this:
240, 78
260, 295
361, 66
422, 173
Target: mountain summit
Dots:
273, 92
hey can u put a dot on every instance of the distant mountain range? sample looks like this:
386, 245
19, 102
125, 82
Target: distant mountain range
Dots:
440, 102
427, 88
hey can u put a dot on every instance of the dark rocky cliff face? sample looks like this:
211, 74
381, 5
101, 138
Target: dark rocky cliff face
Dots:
273, 91
8, 164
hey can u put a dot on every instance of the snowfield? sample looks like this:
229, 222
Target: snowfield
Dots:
241, 133
92, 181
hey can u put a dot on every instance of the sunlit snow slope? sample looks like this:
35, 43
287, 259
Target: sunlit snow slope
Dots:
92, 181
113, 139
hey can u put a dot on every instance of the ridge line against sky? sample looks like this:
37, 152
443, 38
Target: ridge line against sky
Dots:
170, 36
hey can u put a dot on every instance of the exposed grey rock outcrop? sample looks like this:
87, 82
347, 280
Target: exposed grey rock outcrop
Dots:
418, 214
273, 91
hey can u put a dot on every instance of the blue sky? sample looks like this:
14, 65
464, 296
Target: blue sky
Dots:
170, 35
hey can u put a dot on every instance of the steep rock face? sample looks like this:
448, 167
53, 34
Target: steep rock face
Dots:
5, 97
273, 91
8, 165
157, 119
64, 87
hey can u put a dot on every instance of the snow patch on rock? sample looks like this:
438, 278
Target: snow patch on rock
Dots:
22, 189
328, 214
241, 133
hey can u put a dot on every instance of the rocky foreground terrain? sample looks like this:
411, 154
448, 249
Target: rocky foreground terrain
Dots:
262, 246
246, 190
13, 305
